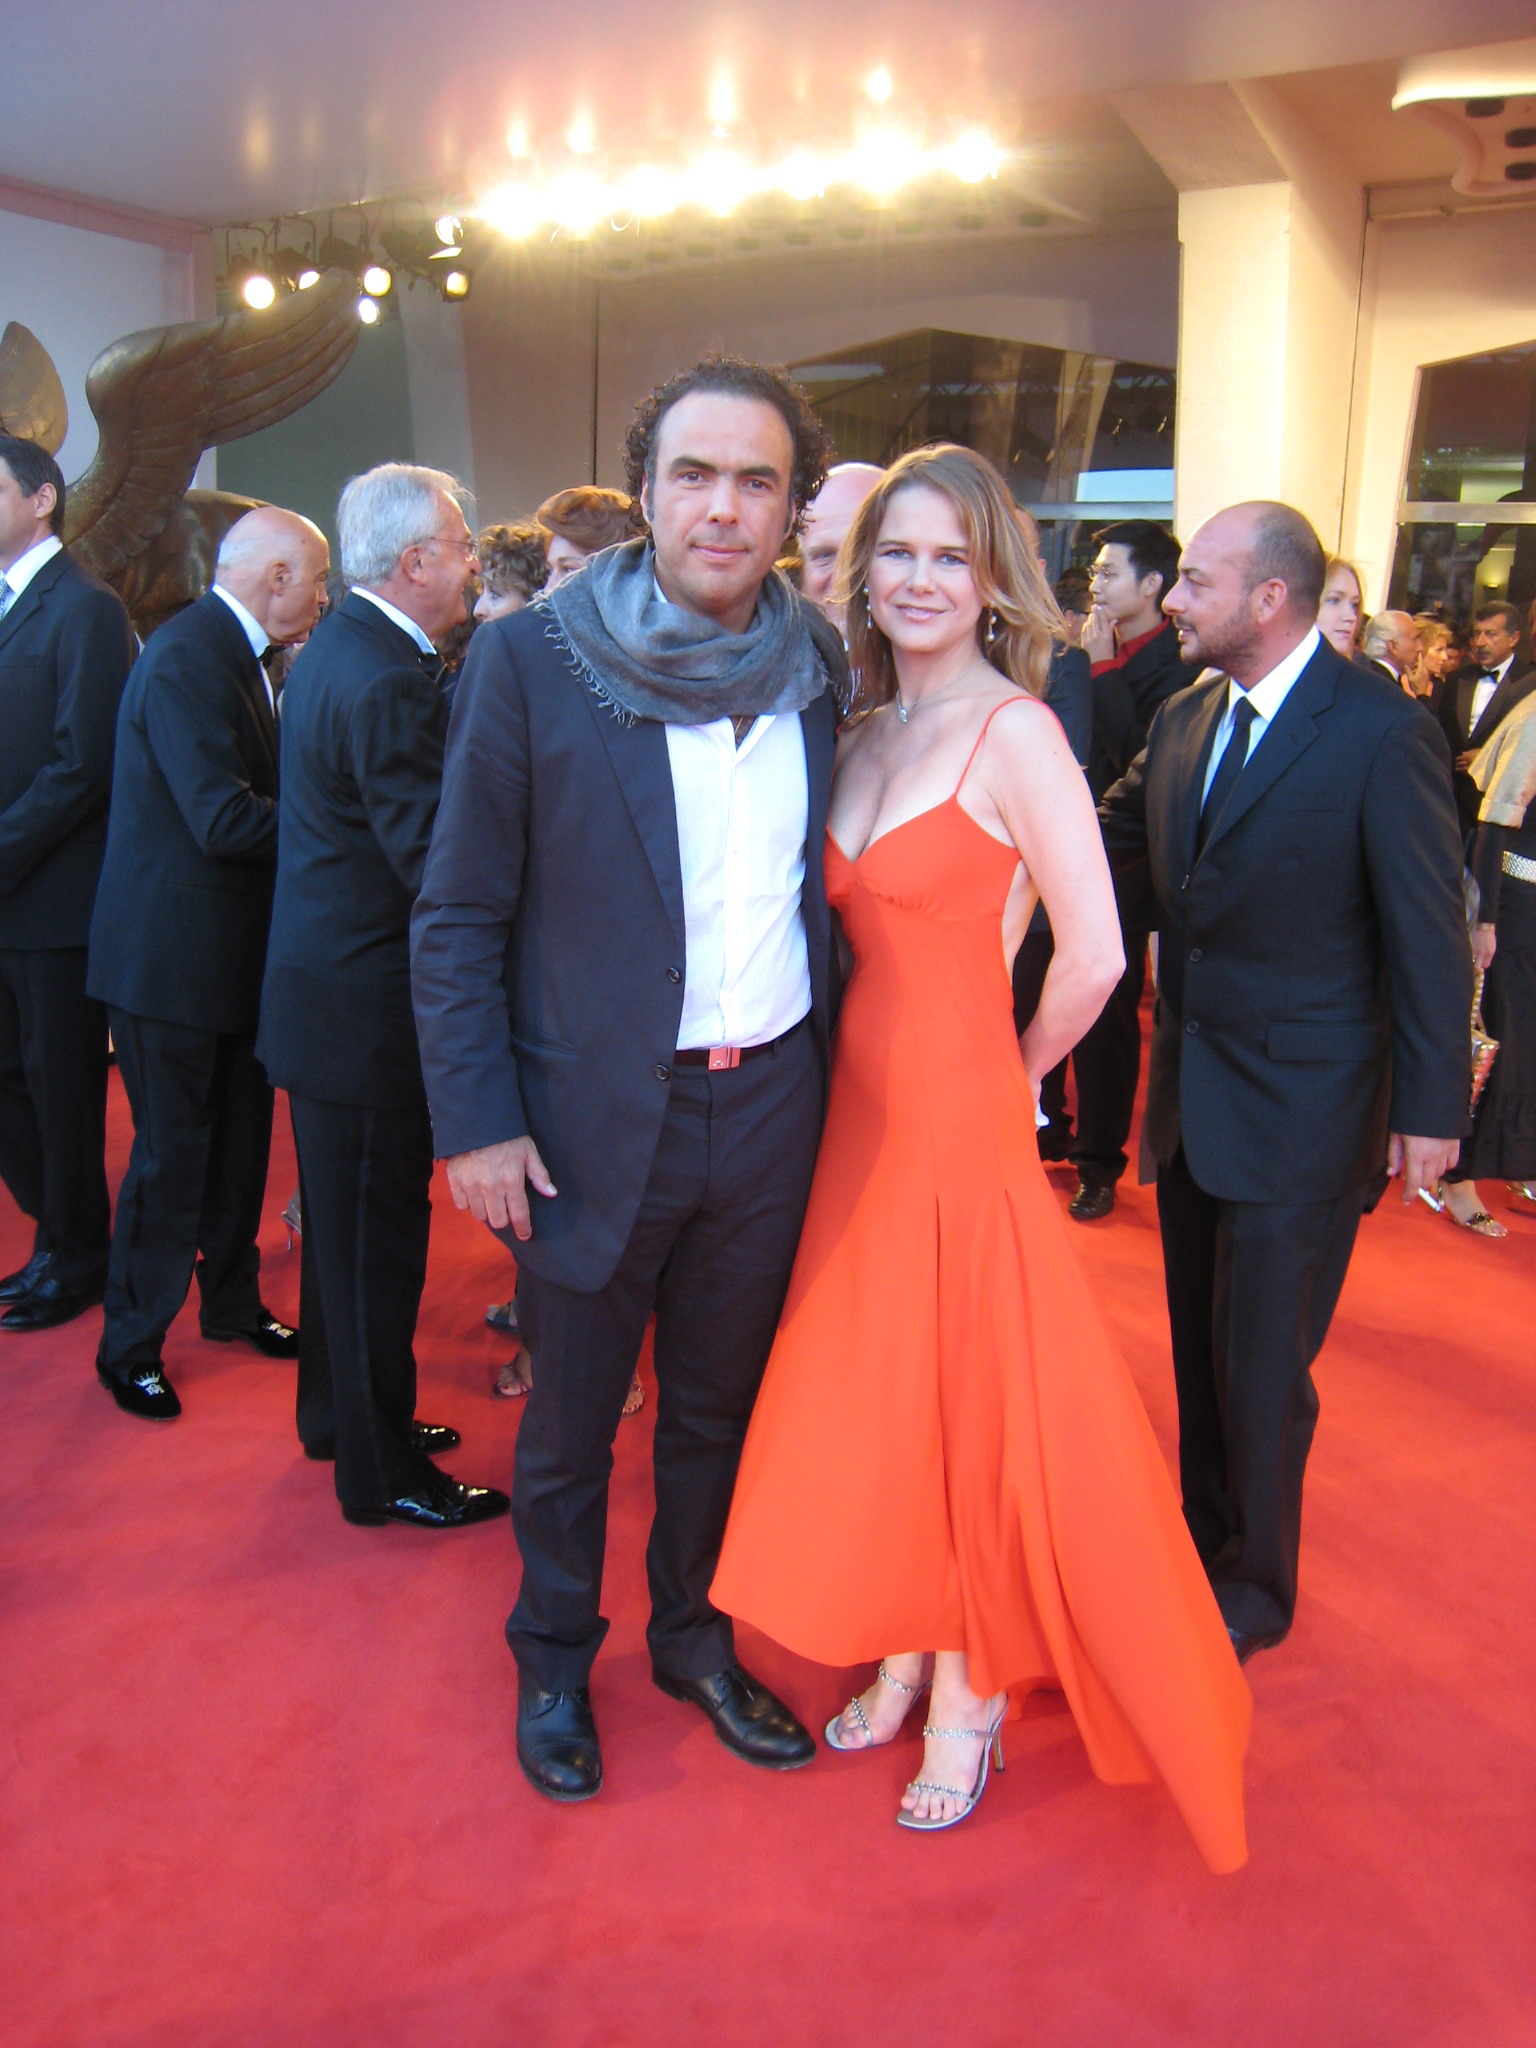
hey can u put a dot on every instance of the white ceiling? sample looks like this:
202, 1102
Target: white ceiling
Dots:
253, 107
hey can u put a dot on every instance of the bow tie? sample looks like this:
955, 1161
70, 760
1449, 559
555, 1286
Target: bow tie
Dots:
270, 658
1489, 675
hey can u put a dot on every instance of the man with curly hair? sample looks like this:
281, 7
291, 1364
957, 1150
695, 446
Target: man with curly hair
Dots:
623, 965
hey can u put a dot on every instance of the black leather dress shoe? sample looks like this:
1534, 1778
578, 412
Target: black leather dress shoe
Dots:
746, 1716
1248, 1645
1092, 1202
438, 1503
53, 1301
266, 1335
557, 1743
143, 1390
431, 1437
25, 1278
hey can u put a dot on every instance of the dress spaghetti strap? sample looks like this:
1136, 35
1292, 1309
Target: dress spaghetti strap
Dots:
971, 760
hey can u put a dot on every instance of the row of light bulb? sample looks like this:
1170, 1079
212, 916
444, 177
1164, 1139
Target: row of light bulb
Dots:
259, 289
881, 164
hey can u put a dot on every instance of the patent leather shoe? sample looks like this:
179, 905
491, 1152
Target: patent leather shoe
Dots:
1092, 1202
25, 1278
1248, 1643
266, 1335
746, 1716
557, 1743
142, 1390
437, 1503
53, 1301
430, 1437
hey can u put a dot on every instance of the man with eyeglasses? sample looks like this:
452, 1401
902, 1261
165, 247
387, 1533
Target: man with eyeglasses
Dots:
364, 721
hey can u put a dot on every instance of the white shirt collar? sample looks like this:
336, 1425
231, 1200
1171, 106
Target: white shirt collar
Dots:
1270, 692
406, 624
26, 566
256, 633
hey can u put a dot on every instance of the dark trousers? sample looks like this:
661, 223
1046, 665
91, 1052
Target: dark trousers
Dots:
192, 1195
1030, 965
1106, 1065
1252, 1287
711, 1253
53, 1106
365, 1182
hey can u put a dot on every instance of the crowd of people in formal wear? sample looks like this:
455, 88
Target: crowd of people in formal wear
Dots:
746, 884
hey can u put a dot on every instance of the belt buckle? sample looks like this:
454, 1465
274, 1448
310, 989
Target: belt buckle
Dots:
724, 1057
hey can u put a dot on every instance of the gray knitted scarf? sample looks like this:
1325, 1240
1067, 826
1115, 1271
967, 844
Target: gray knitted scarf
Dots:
649, 659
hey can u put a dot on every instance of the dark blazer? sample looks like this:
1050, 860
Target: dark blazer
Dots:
65, 650
1125, 702
180, 928
1453, 708
547, 943
1069, 692
1327, 978
363, 727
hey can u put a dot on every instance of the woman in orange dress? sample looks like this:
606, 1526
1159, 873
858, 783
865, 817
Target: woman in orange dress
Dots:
949, 1467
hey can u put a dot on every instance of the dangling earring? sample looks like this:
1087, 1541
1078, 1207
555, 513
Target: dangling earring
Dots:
992, 626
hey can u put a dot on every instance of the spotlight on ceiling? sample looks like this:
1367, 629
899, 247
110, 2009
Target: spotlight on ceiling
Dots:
306, 277
336, 254
454, 284
368, 311
449, 230
255, 284
376, 281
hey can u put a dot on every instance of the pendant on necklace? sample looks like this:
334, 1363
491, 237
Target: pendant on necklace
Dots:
902, 712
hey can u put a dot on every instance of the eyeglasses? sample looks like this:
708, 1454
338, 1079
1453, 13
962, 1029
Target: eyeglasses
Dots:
447, 540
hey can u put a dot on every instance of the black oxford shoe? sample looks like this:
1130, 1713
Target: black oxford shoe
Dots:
438, 1503
53, 1301
746, 1716
266, 1335
25, 1278
431, 1437
1248, 1644
557, 1743
1092, 1202
144, 1390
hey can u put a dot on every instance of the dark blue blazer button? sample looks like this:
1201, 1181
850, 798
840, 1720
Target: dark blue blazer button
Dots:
1195, 953
1191, 1027
662, 1073
674, 974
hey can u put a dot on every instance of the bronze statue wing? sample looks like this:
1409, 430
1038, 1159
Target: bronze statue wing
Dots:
32, 401
162, 396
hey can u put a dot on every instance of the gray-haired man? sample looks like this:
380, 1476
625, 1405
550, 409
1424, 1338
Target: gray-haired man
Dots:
362, 757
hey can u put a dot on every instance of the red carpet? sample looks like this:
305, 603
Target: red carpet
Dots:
260, 1788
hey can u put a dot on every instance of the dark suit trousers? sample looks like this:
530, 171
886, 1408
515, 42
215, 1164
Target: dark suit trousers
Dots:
1252, 1287
711, 1253
53, 1105
1030, 965
365, 1180
202, 1129
1106, 1064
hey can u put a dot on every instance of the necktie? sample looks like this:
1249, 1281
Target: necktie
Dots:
269, 659
1228, 769
6, 595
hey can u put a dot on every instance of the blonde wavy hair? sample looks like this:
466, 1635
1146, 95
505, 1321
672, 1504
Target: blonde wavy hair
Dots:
1021, 623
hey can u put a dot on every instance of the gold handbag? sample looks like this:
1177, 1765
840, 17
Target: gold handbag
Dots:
1484, 1048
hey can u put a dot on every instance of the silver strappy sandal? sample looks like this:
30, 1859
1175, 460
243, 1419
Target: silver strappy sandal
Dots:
856, 1707
991, 1738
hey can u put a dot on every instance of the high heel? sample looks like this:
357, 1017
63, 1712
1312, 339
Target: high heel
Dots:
293, 1219
1522, 1194
1480, 1222
992, 1751
856, 1707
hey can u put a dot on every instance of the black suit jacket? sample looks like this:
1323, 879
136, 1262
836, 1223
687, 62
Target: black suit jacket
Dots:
1125, 702
363, 727
1453, 708
1327, 975
180, 928
65, 649
547, 944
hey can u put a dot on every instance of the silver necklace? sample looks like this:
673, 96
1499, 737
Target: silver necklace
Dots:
905, 711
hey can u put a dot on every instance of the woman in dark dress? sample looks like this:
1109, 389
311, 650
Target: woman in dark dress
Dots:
1503, 1141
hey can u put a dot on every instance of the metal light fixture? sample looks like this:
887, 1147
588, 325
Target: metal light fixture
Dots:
454, 284
376, 281
368, 311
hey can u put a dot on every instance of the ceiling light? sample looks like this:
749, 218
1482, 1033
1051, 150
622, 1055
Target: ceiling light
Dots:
306, 277
801, 176
723, 107
376, 280
577, 202
368, 311
879, 85
648, 193
514, 210
454, 284
720, 181
581, 136
974, 157
449, 229
882, 163
259, 291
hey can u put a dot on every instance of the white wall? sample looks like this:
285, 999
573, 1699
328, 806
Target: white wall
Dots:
1436, 288
82, 287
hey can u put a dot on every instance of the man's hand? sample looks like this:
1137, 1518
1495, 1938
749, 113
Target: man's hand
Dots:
1098, 636
1420, 1161
1485, 939
492, 1183
1464, 761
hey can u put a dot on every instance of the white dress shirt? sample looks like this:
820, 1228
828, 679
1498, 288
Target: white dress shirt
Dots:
26, 566
741, 826
254, 632
1483, 690
1266, 696
401, 619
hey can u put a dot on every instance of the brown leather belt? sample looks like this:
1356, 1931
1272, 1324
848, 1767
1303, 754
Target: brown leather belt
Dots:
719, 1059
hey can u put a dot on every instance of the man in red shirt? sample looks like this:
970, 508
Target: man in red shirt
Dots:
1136, 667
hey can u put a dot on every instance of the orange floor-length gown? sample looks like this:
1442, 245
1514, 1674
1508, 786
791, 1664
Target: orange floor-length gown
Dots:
948, 1451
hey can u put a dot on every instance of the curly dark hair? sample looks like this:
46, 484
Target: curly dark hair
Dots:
734, 374
512, 559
